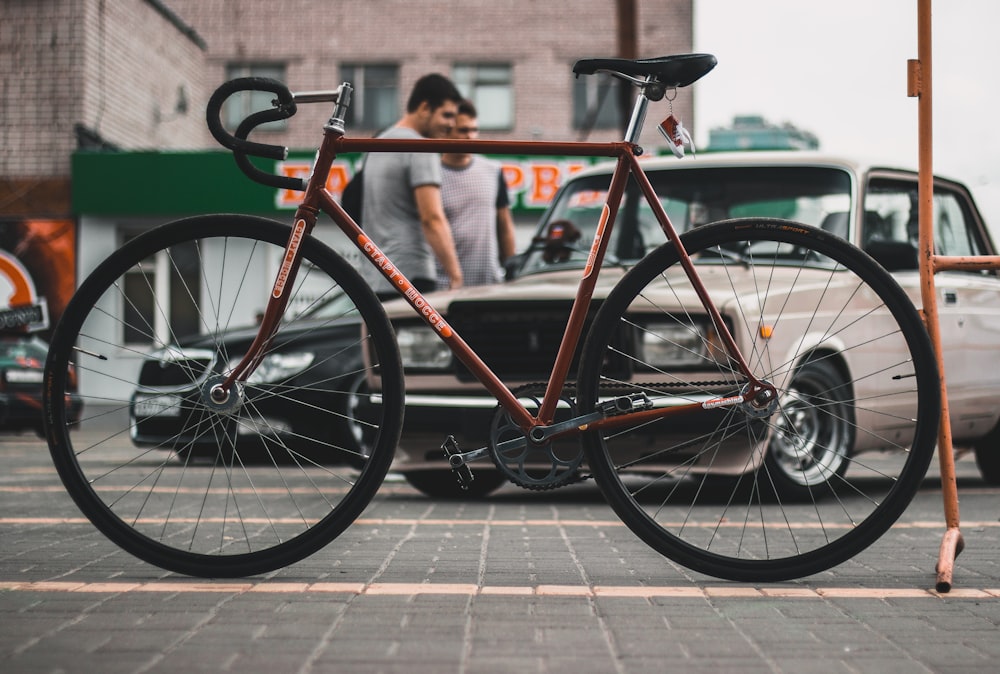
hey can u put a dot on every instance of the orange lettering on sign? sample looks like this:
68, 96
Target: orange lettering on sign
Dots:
545, 183
291, 198
514, 175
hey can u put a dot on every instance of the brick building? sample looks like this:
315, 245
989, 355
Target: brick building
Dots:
77, 74
90, 73
512, 56
90, 87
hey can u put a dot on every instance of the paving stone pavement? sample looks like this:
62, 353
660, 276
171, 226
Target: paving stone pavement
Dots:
520, 582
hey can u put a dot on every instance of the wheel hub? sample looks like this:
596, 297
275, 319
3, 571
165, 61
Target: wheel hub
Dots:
217, 399
762, 401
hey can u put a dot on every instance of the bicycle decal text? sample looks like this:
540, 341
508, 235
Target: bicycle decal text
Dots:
592, 258
394, 276
286, 265
721, 402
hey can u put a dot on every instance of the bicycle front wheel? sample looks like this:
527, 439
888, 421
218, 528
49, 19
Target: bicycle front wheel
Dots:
196, 485
781, 490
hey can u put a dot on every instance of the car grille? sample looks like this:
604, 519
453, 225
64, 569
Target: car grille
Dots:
176, 371
518, 340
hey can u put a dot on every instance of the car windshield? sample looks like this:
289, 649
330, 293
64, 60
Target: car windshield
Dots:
333, 305
691, 197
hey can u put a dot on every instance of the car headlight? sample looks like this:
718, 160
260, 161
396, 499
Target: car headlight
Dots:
421, 348
276, 366
671, 345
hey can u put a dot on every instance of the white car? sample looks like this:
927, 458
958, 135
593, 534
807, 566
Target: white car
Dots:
516, 327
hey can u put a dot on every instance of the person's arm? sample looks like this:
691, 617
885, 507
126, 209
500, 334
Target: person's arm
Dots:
505, 221
437, 231
505, 233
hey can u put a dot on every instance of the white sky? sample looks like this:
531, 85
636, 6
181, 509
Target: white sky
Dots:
837, 68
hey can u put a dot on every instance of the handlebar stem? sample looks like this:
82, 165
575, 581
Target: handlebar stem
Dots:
336, 122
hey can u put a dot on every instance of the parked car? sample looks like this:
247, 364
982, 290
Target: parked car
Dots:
307, 394
516, 327
22, 365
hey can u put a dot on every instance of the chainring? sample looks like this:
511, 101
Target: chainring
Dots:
529, 465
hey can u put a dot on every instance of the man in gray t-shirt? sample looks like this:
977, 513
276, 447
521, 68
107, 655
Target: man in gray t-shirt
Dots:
402, 193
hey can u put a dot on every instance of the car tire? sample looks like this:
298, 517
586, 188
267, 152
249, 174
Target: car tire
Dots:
442, 484
808, 463
360, 431
987, 450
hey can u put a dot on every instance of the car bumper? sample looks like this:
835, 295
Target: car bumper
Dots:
22, 409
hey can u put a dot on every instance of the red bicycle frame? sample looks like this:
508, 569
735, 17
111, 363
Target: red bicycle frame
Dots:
317, 199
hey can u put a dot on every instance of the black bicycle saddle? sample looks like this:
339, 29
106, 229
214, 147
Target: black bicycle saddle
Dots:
679, 70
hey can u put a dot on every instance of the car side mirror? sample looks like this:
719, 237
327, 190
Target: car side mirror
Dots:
558, 240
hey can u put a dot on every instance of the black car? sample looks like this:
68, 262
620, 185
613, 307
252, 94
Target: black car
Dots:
22, 364
305, 401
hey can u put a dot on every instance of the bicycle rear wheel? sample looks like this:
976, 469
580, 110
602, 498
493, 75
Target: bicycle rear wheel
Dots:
211, 489
795, 489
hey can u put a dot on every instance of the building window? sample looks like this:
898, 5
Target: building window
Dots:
241, 105
491, 89
375, 103
595, 103
159, 297
139, 305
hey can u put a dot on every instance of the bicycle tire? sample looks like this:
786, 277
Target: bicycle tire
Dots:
824, 472
202, 490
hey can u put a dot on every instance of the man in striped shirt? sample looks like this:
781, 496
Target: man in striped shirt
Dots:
477, 206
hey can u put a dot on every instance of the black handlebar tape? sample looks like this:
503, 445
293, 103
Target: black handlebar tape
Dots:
285, 108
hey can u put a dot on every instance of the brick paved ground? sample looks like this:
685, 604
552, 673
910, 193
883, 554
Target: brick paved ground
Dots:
519, 583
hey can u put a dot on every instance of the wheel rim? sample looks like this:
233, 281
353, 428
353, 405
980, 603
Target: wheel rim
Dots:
807, 446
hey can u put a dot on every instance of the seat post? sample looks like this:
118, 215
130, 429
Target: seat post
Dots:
635, 123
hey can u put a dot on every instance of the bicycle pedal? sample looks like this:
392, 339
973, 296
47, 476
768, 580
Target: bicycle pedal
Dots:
457, 462
626, 404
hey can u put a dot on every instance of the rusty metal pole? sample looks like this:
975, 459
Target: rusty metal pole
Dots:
920, 85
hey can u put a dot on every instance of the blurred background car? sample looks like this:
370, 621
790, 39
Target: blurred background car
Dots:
306, 398
22, 368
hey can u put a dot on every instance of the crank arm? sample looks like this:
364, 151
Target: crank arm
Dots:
637, 402
459, 460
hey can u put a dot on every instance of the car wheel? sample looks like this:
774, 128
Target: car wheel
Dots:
443, 484
358, 421
987, 450
357, 405
812, 435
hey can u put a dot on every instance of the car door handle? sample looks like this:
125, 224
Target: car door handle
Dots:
950, 297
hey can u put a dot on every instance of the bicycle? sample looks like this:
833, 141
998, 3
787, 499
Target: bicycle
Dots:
201, 475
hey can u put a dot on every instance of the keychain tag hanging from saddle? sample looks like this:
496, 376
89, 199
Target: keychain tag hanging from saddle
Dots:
677, 136
675, 133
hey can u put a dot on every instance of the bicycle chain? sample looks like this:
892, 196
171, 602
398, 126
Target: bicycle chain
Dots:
583, 477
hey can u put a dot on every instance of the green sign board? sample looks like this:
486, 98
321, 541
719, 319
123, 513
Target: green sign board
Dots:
188, 183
